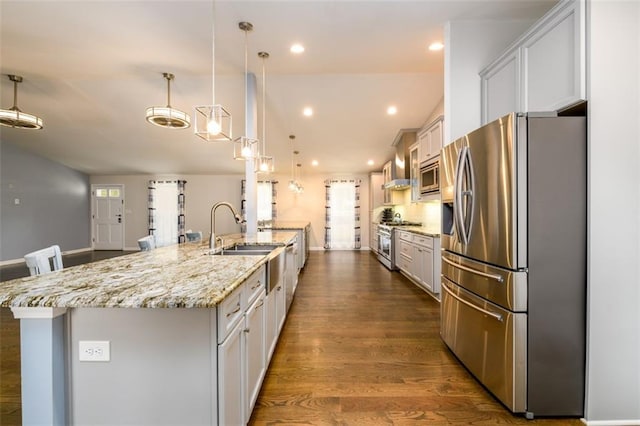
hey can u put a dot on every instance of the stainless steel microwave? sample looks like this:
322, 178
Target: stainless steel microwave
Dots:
430, 178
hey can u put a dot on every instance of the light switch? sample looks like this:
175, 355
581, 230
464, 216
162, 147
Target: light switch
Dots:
16, 201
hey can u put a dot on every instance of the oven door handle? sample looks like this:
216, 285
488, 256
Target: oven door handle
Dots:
471, 305
474, 271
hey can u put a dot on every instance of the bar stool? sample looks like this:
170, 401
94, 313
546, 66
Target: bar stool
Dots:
147, 243
194, 236
40, 261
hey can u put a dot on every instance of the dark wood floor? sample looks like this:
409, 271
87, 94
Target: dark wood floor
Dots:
360, 347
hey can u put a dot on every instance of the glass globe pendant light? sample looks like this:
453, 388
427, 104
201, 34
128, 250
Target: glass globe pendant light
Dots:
13, 117
245, 147
265, 163
213, 122
167, 116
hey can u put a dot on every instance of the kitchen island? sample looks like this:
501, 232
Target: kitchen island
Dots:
302, 228
185, 333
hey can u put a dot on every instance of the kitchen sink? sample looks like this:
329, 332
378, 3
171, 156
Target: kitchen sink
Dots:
241, 252
252, 247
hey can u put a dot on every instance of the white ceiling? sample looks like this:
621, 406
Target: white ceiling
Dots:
91, 68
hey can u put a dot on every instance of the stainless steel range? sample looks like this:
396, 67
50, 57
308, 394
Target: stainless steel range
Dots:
386, 246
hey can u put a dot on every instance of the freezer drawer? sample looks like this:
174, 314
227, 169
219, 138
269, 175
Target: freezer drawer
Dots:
503, 287
489, 341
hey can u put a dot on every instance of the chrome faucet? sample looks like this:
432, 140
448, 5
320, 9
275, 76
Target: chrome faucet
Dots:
236, 216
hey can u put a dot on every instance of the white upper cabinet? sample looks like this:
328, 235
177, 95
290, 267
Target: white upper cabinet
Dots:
499, 86
544, 70
430, 139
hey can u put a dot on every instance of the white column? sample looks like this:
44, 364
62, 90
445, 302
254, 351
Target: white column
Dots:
43, 371
251, 131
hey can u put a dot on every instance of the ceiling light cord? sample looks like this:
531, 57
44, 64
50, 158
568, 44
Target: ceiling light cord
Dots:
213, 52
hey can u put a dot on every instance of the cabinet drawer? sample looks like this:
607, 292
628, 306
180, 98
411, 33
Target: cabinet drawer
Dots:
404, 264
423, 240
230, 312
405, 249
255, 284
404, 235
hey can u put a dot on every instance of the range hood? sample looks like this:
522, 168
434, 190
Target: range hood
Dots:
400, 166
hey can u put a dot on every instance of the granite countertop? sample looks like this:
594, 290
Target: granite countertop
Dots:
286, 224
176, 276
429, 232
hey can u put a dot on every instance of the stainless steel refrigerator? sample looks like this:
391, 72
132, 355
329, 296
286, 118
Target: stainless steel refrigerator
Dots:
513, 307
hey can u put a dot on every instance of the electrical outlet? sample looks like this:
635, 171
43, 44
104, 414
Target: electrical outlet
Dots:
94, 350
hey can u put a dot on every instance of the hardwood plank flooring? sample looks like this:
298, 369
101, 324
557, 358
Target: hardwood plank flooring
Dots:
361, 346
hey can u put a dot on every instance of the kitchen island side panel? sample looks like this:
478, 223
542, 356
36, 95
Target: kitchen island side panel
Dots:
161, 372
557, 265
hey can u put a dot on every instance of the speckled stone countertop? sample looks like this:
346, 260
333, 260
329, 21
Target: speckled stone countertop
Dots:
429, 232
284, 224
177, 276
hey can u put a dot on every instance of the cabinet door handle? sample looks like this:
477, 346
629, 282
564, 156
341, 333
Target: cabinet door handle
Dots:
237, 309
246, 330
256, 286
260, 305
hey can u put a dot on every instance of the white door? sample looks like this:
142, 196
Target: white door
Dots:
107, 206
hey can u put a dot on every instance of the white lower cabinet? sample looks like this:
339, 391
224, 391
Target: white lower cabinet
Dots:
255, 353
230, 383
242, 350
416, 259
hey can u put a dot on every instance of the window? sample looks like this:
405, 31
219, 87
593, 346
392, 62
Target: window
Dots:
166, 205
166, 212
342, 214
265, 201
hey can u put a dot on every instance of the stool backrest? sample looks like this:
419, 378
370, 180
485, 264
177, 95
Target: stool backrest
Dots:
41, 261
147, 243
194, 236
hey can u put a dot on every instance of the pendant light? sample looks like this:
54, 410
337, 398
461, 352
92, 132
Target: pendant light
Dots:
265, 163
213, 122
294, 185
167, 116
245, 147
13, 117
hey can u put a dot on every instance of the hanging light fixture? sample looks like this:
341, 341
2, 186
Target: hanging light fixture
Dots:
299, 187
245, 147
213, 122
13, 117
292, 182
265, 163
167, 116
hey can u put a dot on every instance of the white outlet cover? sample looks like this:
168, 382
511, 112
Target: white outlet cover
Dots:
94, 350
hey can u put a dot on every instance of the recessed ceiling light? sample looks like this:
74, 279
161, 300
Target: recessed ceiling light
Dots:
297, 48
370, 162
314, 163
392, 110
307, 111
436, 46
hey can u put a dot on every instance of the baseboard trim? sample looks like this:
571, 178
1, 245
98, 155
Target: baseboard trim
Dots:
76, 251
21, 260
611, 422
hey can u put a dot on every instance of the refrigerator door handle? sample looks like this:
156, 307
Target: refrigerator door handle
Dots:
471, 305
464, 189
457, 199
474, 271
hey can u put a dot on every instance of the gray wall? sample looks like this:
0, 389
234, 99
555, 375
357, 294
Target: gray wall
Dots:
54, 204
